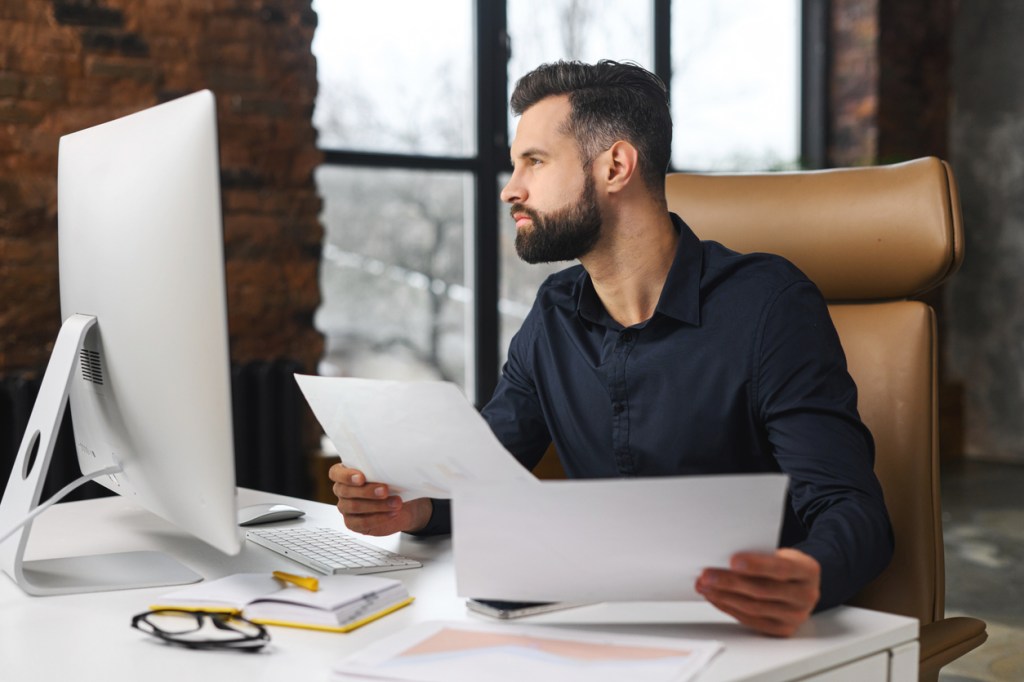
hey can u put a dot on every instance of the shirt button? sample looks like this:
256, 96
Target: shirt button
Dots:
627, 336
617, 408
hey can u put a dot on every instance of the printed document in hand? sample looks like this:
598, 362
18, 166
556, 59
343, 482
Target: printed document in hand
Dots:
419, 437
469, 652
638, 539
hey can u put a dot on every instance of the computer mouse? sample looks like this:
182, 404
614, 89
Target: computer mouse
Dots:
256, 514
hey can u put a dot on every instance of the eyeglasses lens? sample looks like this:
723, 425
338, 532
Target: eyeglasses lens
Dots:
199, 628
173, 622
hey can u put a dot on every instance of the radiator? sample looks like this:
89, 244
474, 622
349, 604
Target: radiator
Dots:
267, 414
268, 417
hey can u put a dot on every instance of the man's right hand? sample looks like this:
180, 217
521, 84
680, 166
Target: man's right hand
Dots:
371, 509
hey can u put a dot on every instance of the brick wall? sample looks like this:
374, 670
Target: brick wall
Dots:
915, 42
890, 89
69, 64
853, 79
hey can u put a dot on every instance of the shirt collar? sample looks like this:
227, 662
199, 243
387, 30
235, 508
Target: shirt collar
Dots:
680, 298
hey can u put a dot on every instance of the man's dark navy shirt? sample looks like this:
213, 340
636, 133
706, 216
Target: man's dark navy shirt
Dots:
739, 370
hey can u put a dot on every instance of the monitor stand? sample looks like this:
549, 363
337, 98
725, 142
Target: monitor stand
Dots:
66, 575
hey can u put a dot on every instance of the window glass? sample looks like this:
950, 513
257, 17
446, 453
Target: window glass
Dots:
588, 30
394, 299
395, 76
545, 31
736, 84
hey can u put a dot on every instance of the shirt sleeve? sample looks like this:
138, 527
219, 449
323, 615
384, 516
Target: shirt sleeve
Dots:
808, 404
514, 414
440, 521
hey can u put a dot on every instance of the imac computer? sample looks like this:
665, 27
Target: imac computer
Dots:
142, 354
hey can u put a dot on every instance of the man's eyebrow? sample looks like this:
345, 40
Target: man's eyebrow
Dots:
531, 152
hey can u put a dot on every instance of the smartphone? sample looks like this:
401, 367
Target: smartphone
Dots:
516, 609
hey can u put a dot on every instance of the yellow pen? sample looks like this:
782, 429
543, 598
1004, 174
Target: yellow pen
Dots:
304, 581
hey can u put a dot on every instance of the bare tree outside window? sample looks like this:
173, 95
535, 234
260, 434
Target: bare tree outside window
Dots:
736, 84
385, 87
394, 274
393, 269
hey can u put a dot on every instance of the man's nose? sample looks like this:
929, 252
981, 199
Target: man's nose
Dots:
513, 192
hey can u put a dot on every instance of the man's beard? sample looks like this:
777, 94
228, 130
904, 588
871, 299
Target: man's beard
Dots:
565, 234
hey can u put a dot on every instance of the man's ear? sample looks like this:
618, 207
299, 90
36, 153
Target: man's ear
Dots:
619, 166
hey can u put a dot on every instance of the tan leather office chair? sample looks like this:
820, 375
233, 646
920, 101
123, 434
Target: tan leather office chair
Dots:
871, 239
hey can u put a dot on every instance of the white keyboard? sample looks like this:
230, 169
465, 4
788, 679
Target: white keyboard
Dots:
328, 550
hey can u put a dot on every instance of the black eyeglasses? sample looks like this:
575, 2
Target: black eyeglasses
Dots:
202, 629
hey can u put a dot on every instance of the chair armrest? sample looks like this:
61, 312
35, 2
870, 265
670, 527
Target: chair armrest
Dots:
947, 640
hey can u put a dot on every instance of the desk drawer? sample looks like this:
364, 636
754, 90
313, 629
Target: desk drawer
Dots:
871, 669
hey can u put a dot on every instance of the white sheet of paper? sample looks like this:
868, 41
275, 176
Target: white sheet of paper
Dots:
609, 539
419, 437
469, 652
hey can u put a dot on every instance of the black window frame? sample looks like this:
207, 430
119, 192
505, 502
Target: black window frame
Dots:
492, 51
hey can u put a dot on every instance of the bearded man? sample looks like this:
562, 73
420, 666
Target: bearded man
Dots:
662, 355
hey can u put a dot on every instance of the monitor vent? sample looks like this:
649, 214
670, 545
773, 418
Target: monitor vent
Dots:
92, 370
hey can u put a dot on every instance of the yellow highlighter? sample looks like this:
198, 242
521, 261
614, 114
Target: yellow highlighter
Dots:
306, 582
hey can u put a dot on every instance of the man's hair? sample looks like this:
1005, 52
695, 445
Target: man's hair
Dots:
609, 101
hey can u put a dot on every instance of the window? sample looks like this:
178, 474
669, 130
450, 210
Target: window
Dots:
384, 87
735, 84
393, 275
419, 274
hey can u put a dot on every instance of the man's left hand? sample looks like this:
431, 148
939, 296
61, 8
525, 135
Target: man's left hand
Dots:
771, 593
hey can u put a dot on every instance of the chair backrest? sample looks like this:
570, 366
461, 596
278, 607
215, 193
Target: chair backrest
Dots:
870, 238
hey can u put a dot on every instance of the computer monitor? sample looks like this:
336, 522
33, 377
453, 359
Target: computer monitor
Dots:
143, 350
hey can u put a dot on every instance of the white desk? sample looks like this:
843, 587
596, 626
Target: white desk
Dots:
88, 637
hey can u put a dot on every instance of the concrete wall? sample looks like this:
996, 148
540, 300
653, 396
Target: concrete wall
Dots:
985, 328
